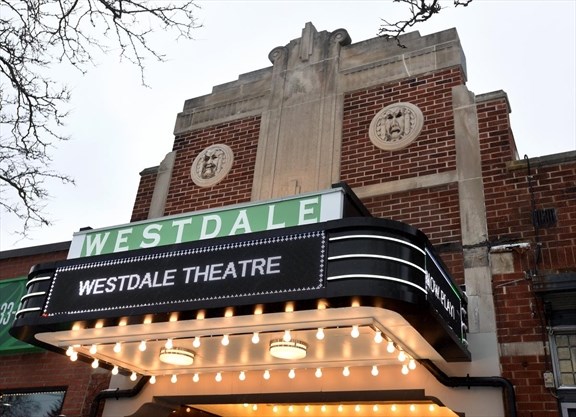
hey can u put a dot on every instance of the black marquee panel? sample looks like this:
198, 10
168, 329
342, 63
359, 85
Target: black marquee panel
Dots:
379, 261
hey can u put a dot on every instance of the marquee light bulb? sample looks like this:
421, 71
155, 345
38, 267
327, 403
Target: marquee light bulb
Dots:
375, 407
115, 370
95, 363
225, 340
287, 336
431, 407
275, 409
93, 349
255, 338
218, 377
401, 356
318, 373
340, 408
255, 407
374, 371
74, 356
390, 348
169, 344
117, 347
142, 346
196, 378
323, 408
320, 334
346, 371
307, 408
133, 376
357, 408
242, 376
69, 351
266, 374
412, 364
378, 336
153, 379
292, 374
412, 407
196, 342
405, 369
355, 331
291, 408
174, 379
393, 407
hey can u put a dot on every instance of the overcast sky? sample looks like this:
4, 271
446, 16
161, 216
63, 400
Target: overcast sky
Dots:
118, 128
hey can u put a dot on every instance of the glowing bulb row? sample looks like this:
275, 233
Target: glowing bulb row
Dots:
324, 408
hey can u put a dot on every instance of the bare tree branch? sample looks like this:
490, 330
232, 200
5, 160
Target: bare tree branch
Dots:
36, 35
420, 11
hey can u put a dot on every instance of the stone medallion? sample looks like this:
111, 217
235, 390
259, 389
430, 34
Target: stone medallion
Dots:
212, 165
396, 126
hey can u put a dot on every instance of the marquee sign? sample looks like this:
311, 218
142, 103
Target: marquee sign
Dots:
147, 283
229, 221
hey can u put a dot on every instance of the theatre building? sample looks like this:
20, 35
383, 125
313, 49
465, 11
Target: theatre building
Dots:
348, 232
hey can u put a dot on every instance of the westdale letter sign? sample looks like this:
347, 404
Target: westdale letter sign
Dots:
228, 221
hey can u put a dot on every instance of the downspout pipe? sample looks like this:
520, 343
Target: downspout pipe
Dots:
476, 381
116, 393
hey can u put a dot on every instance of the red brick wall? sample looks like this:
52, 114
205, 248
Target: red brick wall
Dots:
242, 137
433, 152
38, 370
144, 194
47, 369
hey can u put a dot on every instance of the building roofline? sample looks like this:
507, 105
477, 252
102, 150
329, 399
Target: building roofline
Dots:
35, 250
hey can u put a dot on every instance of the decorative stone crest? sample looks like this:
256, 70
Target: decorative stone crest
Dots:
211, 165
396, 126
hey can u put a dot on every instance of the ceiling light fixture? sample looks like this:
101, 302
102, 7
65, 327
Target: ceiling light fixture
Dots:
378, 337
292, 350
153, 379
355, 331
177, 356
320, 333
292, 374
196, 342
133, 376
142, 346
196, 378
225, 340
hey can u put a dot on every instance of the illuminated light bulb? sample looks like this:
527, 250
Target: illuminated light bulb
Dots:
225, 340
405, 369
401, 356
218, 377
266, 374
307, 409
412, 364
169, 344
318, 373
69, 351
287, 336
196, 342
255, 338
323, 408
431, 407
346, 371
115, 370
355, 331
246, 405
188, 409
292, 374
255, 407
117, 347
242, 376
142, 346
412, 407
174, 379
153, 379
275, 409
196, 378
95, 363
74, 356
375, 407
393, 407
374, 370
378, 337
357, 408
390, 348
133, 376
93, 349
291, 408
340, 408
320, 334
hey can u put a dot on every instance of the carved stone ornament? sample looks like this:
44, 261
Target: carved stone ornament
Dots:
396, 126
212, 165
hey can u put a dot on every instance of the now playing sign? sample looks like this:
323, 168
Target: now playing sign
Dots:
145, 283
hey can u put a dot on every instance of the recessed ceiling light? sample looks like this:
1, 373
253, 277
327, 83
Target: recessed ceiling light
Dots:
294, 349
